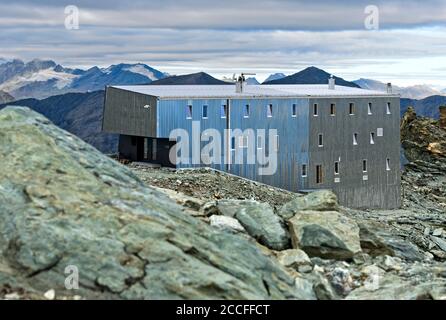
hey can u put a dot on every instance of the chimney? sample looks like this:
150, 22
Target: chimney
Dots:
389, 88
331, 83
239, 84
443, 117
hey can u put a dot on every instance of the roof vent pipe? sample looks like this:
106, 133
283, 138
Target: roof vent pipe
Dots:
331, 83
389, 88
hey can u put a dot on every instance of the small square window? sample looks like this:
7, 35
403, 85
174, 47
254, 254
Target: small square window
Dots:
315, 110
246, 111
379, 132
369, 108
333, 109
294, 110
224, 111
364, 165
388, 109
205, 112
304, 170
351, 108
320, 140
355, 139
372, 138
189, 111
269, 110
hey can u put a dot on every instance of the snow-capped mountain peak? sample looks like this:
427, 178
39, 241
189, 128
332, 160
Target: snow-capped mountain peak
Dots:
44, 78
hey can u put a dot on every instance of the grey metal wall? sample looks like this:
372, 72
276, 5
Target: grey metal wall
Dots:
298, 139
382, 187
292, 132
124, 113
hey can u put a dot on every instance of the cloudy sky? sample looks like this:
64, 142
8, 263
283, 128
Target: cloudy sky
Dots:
223, 37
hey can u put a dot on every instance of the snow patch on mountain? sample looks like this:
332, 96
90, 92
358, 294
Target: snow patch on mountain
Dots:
142, 69
61, 79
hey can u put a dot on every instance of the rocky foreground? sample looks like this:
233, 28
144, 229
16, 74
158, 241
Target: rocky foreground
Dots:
142, 233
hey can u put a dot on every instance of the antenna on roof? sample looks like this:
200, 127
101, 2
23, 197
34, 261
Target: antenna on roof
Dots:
240, 81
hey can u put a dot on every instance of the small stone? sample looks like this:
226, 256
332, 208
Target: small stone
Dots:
50, 294
322, 200
437, 232
439, 242
305, 269
12, 296
318, 269
390, 263
325, 234
226, 223
293, 258
427, 231
429, 256
341, 280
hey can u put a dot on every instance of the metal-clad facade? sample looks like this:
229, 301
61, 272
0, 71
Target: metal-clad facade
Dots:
378, 187
298, 139
124, 113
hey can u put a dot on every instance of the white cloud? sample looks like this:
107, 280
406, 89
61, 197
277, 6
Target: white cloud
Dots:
226, 37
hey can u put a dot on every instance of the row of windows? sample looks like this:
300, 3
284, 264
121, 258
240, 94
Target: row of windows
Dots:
319, 178
243, 142
246, 111
351, 109
269, 110
320, 140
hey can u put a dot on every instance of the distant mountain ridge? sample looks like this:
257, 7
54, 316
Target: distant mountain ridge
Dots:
412, 92
311, 75
43, 78
78, 113
427, 107
274, 76
190, 79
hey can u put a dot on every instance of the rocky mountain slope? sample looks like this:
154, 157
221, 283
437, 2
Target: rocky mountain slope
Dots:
5, 97
427, 107
416, 92
142, 232
44, 78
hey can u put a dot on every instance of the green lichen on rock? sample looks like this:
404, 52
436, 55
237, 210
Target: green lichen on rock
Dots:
64, 203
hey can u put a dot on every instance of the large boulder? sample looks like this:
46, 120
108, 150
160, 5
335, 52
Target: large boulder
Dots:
326, 234
259, 220
64, 204
321, 200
